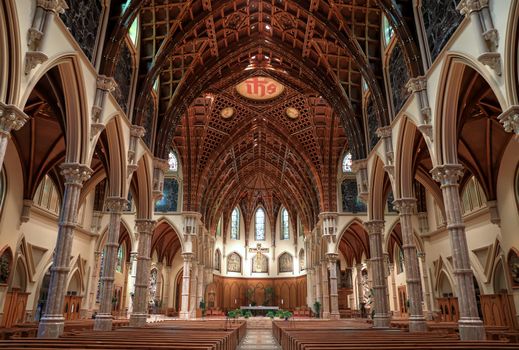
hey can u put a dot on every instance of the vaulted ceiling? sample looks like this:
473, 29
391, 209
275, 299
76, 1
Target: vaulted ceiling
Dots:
326, 55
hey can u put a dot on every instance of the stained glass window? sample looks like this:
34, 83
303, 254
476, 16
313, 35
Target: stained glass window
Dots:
235, 224
133, 33
120, 259
346, 163
400, 260
387, 30
172, 161
260, 224
284, 224
169, 201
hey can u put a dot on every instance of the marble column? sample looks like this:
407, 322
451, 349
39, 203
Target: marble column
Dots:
425, 287
360, 287
334, 293
318, 284
193, 290
310, 296
186, 283
103, 321
140, 298
167, 288
470, 325
325, 289
11, 119
132, 278
201, 285
52, 322
382, 316
406, 207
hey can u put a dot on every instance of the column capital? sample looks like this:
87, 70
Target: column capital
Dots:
466, 7
161, 164
188, 257
384, 131
374, 226
75, 173
11, 118
358, 164
144, 226
105, 83
137, 131
332, 257
447, 174
510, 119
417, 84
405, 206
58, 6
116, 205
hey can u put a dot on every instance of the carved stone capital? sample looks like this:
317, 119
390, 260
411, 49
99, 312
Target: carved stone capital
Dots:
405, 206
130, 169
188, 257
161, 164
95, 128
510, 119
75, 173
116, 204
332, 258
447, 174
384, 131
144, 226
417, 84
32, 59
466, 7
58, 6
137, 131
374, 227
491, 59
358, 164
34, 37
11, 118
106, 83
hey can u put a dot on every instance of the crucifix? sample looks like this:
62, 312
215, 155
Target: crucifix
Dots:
258, 262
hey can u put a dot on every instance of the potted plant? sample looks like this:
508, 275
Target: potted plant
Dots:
286, 315
232, 314
271, 314
202, 307
247, 314
317, 309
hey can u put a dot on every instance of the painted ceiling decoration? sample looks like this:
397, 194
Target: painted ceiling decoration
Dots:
260, 88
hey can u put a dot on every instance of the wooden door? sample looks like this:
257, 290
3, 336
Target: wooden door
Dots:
402, 300
71, 307
14, 308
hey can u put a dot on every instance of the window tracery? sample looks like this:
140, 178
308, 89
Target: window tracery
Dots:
47, 196
347, 163
120, 258
235, 224
260, 225
172, 161
284, 225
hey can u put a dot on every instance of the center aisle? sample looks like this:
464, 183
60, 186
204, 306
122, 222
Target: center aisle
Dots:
259, 339
259, 335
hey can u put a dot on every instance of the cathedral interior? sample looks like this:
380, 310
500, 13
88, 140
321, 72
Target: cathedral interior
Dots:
211, 164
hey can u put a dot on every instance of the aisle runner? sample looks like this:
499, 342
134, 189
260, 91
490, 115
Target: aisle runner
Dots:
259, 339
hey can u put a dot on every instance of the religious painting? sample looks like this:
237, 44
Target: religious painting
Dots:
234, 263
260, 263
260, 88
513, 267
301, 260
286, 263
217, 260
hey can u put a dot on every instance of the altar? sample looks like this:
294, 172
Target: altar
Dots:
259, 310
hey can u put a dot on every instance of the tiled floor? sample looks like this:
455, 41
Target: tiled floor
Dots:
259, 339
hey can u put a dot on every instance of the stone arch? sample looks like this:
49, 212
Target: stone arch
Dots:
355, 238
444, 284
511, 59
76, 109
380, 184
449, 92
10, 70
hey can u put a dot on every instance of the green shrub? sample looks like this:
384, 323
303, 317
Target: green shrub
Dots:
271, 314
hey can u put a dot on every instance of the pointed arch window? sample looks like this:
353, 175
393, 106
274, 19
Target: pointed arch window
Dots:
133, 32
387, 31
172, 161
235, 224
219, 228
284, 224
120, 258
260, 225
347, 162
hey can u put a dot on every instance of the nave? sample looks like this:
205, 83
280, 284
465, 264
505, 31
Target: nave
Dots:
206, 162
